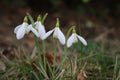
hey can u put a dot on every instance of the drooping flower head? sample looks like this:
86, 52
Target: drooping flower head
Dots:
74, 38
57, 33
22, 29
38, 28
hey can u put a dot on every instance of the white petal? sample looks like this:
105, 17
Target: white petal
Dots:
37, 23
61, 37
47, 34
16, 29
21, 32
28, 28
34, 31
82, 40
55, 34
70, 40
75, 38
41, 28
41, 31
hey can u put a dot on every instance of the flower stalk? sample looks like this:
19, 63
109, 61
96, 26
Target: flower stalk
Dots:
35, 38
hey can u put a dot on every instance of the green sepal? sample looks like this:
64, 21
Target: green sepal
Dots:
39, 18
25, 19
58, 23
73, 31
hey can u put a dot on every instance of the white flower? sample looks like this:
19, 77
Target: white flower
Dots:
21, 30
38, 29
41, 28
57, 34
74, 38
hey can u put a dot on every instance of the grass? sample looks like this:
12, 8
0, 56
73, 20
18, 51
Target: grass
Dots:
94, 62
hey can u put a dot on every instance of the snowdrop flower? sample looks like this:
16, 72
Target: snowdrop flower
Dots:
38, 29
57, 33
74, 38
22, 29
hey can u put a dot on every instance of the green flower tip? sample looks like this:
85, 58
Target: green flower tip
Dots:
25, 19
73, 31
58, 23
39, 18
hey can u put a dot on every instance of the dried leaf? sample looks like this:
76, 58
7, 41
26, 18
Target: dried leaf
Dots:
93, 68
33, 53
2, 67
50, 58
30, 43
82, 75
34, 66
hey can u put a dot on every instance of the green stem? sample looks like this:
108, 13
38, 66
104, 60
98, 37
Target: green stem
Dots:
36, 76
65, 52
43, 47
55, 50
44, 17
35, 38
68, 33
71, 68
54, 61
43, 43
65, 48
37, 45
42, 65
44, 54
